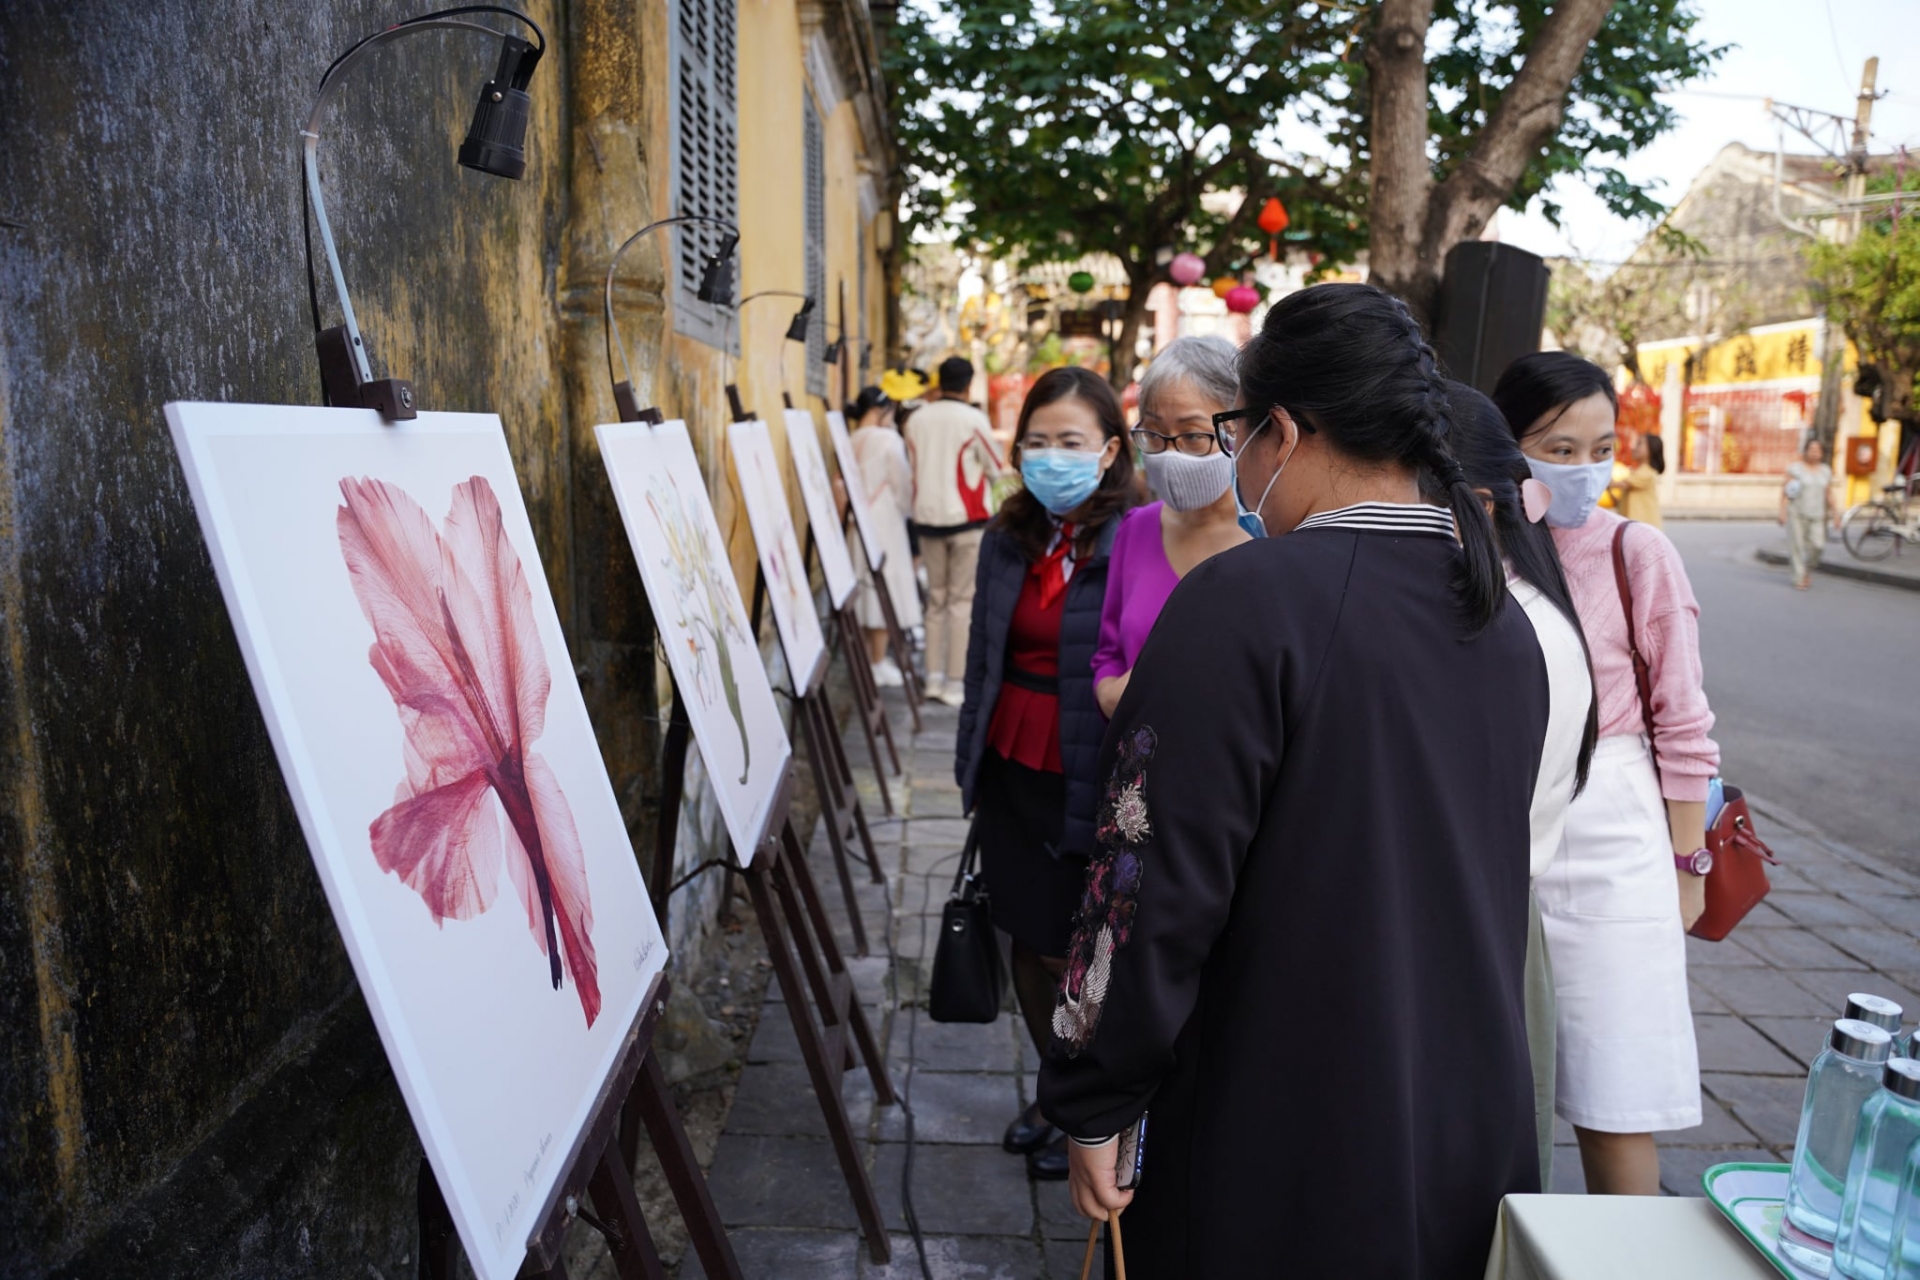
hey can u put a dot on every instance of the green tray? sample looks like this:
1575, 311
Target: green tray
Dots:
1753, 1197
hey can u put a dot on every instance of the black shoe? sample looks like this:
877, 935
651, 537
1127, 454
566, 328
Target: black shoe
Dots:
1049, 1164
1028, 1133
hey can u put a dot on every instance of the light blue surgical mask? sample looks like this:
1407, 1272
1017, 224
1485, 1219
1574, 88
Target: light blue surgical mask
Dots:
1576, 489
1249, 517
1060, 479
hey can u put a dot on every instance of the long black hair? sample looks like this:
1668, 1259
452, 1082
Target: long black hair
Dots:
1656, 453
1350, 361
1543, 383
1022, 516
1484, 443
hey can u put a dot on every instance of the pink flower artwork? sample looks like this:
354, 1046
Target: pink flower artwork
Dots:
456, 644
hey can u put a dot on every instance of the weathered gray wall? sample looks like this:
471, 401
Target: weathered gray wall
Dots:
188, 1077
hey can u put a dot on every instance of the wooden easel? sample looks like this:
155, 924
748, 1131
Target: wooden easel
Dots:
896, 637
867, 705
821, 1002
600, 1169
840, 809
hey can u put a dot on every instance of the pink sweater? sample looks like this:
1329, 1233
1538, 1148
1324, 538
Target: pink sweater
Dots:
1666, 622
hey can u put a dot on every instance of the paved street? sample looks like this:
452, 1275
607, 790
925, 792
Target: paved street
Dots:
1816, 692
1839, 920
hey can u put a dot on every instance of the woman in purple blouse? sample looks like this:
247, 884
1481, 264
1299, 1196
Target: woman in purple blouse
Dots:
1157, 544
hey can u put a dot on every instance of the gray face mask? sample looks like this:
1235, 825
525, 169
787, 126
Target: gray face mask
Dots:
1188, 484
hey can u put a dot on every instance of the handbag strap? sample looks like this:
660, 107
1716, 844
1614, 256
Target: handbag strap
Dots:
969, 856
1093, 1238
1642, 676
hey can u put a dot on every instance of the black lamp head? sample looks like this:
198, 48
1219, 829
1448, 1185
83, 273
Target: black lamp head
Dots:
801, 322
497, 139
834, 349
716, 276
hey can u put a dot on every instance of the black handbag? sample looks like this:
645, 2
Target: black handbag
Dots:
967, 974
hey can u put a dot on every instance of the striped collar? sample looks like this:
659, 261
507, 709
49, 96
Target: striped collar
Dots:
1384, 517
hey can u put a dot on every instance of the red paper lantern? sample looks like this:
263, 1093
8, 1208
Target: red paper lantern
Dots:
1242, 298
1273, 220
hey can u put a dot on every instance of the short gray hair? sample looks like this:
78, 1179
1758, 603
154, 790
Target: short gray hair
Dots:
1206, 362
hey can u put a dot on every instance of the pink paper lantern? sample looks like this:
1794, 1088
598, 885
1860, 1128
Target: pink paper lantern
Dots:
1242, 298
1186, 268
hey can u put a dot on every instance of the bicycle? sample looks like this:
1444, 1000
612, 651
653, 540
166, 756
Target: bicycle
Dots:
1876, 529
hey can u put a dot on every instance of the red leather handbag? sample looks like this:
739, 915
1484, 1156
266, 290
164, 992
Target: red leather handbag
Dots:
1738, 879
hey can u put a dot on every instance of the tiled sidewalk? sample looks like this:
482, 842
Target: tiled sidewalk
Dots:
1835, 923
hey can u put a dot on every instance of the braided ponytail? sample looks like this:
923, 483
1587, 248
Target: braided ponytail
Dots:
1482, 578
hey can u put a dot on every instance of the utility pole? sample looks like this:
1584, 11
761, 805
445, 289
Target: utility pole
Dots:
1857, 152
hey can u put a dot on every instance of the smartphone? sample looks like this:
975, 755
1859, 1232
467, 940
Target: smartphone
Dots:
1130, 1160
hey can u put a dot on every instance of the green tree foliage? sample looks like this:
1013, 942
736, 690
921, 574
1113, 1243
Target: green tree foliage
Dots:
1044, 130
1870, 286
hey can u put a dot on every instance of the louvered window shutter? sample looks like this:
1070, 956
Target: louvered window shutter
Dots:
816, 213
704, 154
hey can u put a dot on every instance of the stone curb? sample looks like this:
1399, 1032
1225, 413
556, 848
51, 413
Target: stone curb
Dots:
1846, 569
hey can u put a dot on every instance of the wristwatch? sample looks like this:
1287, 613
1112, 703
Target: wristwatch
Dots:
1698, 863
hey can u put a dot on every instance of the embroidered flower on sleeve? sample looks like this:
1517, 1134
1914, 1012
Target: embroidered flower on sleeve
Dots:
1105, 921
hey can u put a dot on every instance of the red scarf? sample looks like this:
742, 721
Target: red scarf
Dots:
1051, 568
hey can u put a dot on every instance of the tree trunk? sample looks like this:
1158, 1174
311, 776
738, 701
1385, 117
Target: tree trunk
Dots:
1413, 222
1399, 175
1139, 290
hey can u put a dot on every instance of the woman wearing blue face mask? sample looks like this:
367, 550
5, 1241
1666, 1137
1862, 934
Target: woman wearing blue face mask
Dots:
1029, 727
1616, 903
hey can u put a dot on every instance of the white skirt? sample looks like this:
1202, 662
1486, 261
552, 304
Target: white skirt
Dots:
1625, 1056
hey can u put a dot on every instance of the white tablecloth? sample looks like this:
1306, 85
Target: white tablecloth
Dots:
1619, 1238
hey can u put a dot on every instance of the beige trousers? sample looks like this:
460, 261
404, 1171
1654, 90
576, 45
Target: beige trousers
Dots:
1806, 539
951, 560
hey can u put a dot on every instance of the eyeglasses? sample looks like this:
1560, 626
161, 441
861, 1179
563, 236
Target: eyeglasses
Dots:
1195, 444
1232, 427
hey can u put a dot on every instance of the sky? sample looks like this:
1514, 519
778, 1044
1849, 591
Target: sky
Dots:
1804, 52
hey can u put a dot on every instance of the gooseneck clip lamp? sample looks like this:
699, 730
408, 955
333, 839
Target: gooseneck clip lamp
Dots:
796, 332
495, 144
716, 286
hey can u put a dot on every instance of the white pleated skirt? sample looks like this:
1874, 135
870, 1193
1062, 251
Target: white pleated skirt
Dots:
1625, 1059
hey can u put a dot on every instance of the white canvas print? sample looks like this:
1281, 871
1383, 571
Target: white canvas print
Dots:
703, 623
823, 514
781, 564
856, 490
389, 601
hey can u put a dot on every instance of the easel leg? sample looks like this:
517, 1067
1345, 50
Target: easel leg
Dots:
866, 695
801, 877
826, 1077
436, 1227
634, 1254
652, 1101
837, 750
902, 651
827, 785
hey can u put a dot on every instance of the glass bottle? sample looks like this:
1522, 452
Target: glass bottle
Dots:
1905, 1263
1882, 1013
1843, 1077
1889, 1127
